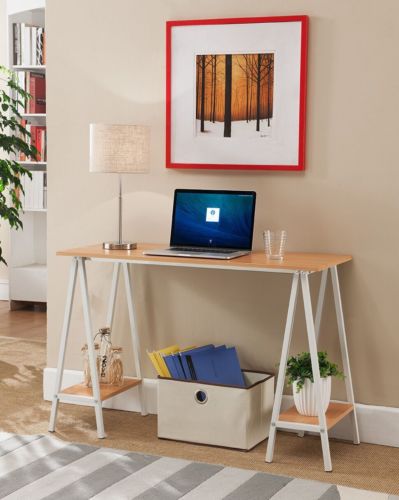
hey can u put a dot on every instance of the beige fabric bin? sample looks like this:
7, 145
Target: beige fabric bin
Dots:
213, 414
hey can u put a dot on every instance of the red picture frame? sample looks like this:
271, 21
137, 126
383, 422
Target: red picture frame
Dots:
185, 149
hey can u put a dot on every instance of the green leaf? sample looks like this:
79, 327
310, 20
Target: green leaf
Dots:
299, 368
13, 140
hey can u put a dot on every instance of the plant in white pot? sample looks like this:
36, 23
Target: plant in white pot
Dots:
300, 376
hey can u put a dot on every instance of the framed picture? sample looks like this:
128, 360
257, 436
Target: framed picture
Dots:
236, 93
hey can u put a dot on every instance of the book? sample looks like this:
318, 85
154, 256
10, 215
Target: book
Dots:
33, 138
37, 89
29, 44
33, 44
45, 190
16, 31
39, 46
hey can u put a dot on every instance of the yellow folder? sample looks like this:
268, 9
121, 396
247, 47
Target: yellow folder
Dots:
161, 362
154, 361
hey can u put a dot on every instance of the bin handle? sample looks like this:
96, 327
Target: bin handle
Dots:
201, 397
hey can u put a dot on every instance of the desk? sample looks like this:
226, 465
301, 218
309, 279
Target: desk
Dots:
299, 265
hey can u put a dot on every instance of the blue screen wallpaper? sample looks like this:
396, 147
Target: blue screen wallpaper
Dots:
213, 219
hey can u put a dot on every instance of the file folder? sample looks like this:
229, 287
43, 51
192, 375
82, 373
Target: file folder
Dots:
218, 366
170, 363
188, 373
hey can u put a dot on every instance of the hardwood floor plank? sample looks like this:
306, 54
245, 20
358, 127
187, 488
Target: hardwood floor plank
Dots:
27, 323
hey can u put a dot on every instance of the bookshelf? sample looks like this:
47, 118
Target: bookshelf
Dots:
28, 256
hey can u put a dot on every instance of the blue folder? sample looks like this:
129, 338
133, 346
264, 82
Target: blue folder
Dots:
170, 363
178, 366
188, 374
218, 366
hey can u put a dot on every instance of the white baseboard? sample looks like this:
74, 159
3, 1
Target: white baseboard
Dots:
4, 290
377, 424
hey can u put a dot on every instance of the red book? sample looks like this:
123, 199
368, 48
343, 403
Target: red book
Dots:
22, 156
33, 138
37, 90
39, 143
27, 89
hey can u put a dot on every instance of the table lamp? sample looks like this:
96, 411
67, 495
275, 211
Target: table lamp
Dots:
119, 149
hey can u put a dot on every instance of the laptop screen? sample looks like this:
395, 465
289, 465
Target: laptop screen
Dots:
218, 219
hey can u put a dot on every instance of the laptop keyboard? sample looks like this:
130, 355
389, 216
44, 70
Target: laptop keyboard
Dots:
202, 250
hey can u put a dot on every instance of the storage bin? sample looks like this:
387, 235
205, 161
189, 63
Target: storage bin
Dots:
213, 414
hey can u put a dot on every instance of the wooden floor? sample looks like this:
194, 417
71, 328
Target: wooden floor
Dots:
26, 323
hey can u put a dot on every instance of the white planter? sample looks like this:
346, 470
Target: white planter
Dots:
305, 399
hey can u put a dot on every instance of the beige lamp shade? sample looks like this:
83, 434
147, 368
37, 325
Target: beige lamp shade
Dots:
119, 148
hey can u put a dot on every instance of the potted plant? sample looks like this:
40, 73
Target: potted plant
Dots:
14, 139
300, 376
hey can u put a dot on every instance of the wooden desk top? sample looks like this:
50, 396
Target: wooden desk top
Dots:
256, 261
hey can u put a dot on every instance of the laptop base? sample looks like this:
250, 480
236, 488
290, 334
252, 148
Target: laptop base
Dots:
166, 252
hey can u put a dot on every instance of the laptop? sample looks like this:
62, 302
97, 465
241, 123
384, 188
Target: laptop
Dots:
210, 224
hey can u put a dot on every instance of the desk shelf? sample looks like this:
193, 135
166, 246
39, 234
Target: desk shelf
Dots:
334, 414
106, 390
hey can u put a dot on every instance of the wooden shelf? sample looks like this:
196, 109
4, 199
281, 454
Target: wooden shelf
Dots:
33, 115
30, 163
335, 413
107, 391
32, 67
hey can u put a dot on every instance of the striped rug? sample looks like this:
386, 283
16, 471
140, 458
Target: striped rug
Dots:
38, 467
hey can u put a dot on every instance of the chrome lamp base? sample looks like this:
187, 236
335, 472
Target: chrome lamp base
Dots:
116, 245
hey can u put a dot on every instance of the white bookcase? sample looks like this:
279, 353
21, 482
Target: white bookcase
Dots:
28, 256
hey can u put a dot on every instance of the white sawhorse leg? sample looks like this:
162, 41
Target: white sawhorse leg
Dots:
78, 266
133, 333
283, 363
344, 352
310, 327
131, 310
63, 343
319, 312
90, 349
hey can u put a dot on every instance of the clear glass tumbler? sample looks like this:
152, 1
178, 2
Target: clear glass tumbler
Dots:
274, 243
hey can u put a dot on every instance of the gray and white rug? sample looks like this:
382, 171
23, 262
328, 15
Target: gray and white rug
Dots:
38, 467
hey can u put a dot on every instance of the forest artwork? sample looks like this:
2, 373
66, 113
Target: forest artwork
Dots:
234, 95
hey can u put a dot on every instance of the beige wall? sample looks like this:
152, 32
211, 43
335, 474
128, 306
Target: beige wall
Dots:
4, 227
106, 62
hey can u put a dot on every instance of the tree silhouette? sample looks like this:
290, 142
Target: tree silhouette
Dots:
258, 70
202, 62
227, 96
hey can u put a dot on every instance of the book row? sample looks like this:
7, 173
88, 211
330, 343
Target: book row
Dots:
29, 45
37, 139
34, 84
208, 363
34, 196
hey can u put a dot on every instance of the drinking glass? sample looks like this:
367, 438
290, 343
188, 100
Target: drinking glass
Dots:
274, 243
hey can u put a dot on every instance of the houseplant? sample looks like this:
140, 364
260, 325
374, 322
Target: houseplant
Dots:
14, 139
300, 376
